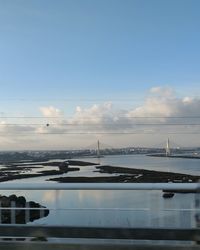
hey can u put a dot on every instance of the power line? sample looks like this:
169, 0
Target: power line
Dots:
108, 99
98, 133
86, 118
100, 124
84, 99
29, 117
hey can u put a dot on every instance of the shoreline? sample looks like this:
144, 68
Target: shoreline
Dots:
175, 156
17, 169
113, 174
130, 175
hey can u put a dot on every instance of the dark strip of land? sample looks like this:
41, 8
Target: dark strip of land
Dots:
114, 174
16, 171
131, 176
176, 156
16, 176
54, 163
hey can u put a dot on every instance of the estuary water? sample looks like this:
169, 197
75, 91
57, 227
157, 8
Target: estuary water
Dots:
179, 165
118, 208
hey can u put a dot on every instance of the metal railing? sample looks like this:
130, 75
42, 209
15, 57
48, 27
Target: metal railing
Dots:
100, 186
91, 232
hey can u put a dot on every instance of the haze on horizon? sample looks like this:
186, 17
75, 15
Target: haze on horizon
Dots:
123, 72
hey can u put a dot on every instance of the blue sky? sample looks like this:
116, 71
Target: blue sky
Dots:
89, 49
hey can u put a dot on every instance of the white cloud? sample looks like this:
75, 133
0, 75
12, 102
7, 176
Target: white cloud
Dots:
162, 91
96, 114
166, 105
160, 108
50, 112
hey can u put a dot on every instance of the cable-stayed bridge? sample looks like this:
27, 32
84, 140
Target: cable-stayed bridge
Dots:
163, 144
168, 147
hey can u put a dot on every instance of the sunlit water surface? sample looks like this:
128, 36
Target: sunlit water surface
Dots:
118, 208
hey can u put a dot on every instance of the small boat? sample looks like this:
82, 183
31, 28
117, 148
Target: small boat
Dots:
168, 195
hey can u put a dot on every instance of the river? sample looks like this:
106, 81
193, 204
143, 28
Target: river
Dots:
119, 208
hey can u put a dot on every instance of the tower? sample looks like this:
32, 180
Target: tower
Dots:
98, 149
168, 148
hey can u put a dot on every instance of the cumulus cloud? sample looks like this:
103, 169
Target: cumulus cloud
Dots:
161, 113
50, 112
162, 91
96, 114
161, 107
166, 105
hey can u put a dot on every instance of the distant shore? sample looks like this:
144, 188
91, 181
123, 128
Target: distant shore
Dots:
175, 156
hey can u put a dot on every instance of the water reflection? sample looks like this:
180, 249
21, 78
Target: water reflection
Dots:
17, 210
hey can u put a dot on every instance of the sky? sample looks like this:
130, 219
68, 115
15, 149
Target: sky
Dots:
92, 68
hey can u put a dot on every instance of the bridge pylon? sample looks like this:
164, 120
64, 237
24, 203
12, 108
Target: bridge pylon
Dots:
98, 149
167, 150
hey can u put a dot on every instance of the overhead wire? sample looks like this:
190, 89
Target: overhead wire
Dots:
100, 124
87, 122
98, 133
96, 116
